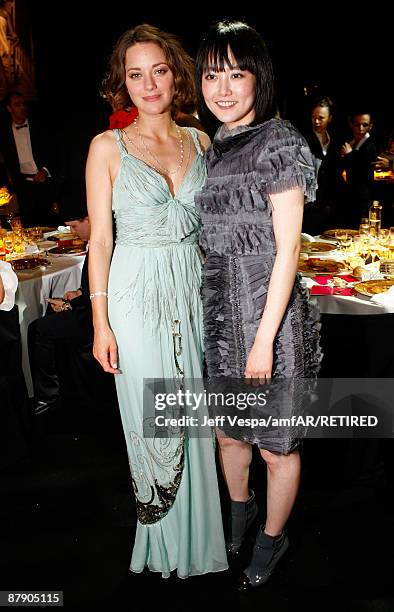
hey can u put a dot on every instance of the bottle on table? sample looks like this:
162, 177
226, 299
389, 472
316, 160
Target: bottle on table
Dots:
375, 217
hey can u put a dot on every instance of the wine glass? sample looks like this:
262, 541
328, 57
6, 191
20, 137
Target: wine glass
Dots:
391, 242
16, 224
347, 241
364, 229
9, 218
340, 236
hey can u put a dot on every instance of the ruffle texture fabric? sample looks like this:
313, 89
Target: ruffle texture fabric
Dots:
245, 166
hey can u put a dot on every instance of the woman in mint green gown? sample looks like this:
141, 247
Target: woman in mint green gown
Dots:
146, 300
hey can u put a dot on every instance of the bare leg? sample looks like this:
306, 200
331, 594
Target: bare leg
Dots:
235, 458
283, 478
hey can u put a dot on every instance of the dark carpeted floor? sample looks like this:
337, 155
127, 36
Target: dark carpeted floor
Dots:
68, 520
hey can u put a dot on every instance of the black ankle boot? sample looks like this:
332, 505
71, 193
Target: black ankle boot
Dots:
267, 551
243, 515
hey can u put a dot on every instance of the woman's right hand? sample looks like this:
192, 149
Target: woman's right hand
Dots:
105, 350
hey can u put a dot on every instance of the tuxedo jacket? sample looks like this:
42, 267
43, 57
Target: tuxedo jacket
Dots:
328, 177
359, 171
42, 143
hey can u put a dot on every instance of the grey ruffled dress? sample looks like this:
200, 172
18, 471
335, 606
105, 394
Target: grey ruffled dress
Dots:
245, 166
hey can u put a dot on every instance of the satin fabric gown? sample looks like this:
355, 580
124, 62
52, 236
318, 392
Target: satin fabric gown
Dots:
154, 291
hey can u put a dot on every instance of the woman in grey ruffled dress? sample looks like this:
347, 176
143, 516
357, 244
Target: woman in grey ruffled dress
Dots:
258, 322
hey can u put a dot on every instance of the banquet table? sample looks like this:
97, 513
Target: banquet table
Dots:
347, 304
356, 304
63, 274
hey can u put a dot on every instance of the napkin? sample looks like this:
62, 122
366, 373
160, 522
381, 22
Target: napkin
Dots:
384, 299
325, 290
324, 278
31, 248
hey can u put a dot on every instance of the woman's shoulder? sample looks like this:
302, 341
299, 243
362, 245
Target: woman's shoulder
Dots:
203, 138
104, 141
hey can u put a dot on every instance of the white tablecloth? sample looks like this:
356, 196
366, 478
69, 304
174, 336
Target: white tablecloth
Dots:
64, 274
342, 304
345, 304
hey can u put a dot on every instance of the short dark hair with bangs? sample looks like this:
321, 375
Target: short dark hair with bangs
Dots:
250, 52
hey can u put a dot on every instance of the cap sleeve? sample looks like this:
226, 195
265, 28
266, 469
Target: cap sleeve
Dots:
285, 162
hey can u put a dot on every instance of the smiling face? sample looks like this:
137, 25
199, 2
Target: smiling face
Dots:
230, 94
148, 78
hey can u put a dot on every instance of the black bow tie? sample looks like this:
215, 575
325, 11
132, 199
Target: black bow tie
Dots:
19, 127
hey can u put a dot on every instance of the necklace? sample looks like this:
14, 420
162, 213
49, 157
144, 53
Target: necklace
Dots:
159, 166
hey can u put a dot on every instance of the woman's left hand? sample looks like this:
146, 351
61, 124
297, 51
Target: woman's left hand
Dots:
259, 363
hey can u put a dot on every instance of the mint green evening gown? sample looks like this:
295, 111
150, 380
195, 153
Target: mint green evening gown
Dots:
155, 280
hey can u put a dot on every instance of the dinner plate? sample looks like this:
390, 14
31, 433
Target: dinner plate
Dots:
29, 263
372, 287
317, 247
313, 266
69, 250
44, 229
61, 236
331, 232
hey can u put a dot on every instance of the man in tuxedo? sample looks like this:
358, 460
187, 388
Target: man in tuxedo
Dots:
29, 153
358, 156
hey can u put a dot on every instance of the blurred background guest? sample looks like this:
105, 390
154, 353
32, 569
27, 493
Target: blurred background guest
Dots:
357, 158
386, 157
28, 147
318, 215
8, 286
72, 322
14, 416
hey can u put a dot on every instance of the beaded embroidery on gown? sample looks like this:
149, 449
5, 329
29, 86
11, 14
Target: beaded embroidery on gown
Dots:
154, 291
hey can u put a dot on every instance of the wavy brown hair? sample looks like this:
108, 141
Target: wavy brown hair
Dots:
181, 65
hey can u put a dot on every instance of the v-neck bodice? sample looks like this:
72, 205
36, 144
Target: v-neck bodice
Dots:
146, 212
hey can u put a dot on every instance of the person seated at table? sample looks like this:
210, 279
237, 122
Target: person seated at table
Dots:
71, 319
8, 286
14, 443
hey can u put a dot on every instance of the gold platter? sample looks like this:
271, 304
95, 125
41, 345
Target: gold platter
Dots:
317, 247
29, 263
72, 249
43, 228
322, 266
372, 287
62, 236
331, 232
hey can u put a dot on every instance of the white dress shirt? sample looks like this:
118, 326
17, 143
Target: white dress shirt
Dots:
23, 147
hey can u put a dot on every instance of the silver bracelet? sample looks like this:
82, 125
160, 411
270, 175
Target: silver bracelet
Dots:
97, 293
